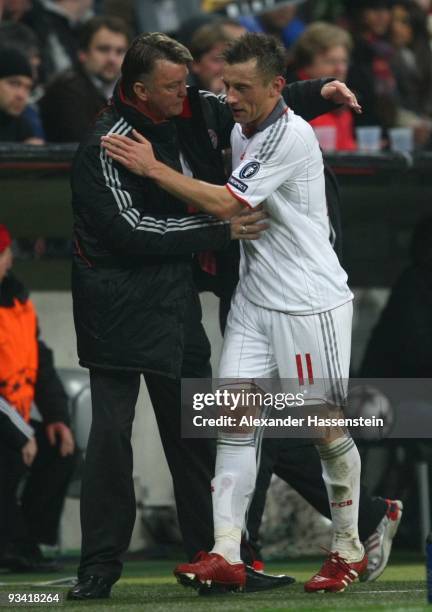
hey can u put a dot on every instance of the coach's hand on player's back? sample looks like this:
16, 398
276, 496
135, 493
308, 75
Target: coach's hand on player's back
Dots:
136, 153
248, 225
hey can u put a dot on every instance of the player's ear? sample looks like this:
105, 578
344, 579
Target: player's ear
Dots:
278, 84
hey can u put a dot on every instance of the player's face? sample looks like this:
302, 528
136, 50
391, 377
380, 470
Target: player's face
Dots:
164, 91
5, 262
105, 54
14, 94
249, 95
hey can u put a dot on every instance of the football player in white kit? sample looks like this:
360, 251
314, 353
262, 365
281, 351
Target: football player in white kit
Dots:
291, 314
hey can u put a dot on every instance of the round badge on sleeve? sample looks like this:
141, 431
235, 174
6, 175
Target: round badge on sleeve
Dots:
249, 170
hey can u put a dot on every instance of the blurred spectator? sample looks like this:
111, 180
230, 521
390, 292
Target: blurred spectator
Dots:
323, 50
15, 87
412, 65
278, 17
189, 27
124, 9
14, 10
161, 15
371, 75
56, 24
333, 11
400, 345
425, 5
281, 21
74, 98
206, 47
27, 374
233, 28
206, 36
18, 36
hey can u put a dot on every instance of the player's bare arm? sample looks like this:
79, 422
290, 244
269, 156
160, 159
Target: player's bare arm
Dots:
137, 156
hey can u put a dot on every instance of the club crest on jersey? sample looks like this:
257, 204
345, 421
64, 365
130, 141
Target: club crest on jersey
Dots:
237, 184
249, 170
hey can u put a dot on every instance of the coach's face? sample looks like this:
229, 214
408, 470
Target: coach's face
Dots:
164, 91
250, 94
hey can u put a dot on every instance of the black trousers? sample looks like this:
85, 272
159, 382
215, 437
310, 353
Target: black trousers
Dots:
298, 463
107, 494
33, 516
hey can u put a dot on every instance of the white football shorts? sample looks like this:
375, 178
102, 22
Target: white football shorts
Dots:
310, 354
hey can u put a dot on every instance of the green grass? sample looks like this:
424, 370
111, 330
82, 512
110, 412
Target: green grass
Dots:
149, 585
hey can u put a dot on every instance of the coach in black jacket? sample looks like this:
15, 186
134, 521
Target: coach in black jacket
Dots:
136, 308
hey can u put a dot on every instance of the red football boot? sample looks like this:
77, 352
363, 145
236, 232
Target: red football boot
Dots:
211, 569
335, 574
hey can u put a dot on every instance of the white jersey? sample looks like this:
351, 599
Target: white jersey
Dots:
292, 268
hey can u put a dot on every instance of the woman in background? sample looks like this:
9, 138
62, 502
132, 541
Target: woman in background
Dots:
323, 50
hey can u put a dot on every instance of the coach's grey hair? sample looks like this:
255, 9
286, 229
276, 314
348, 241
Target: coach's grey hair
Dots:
142, 55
